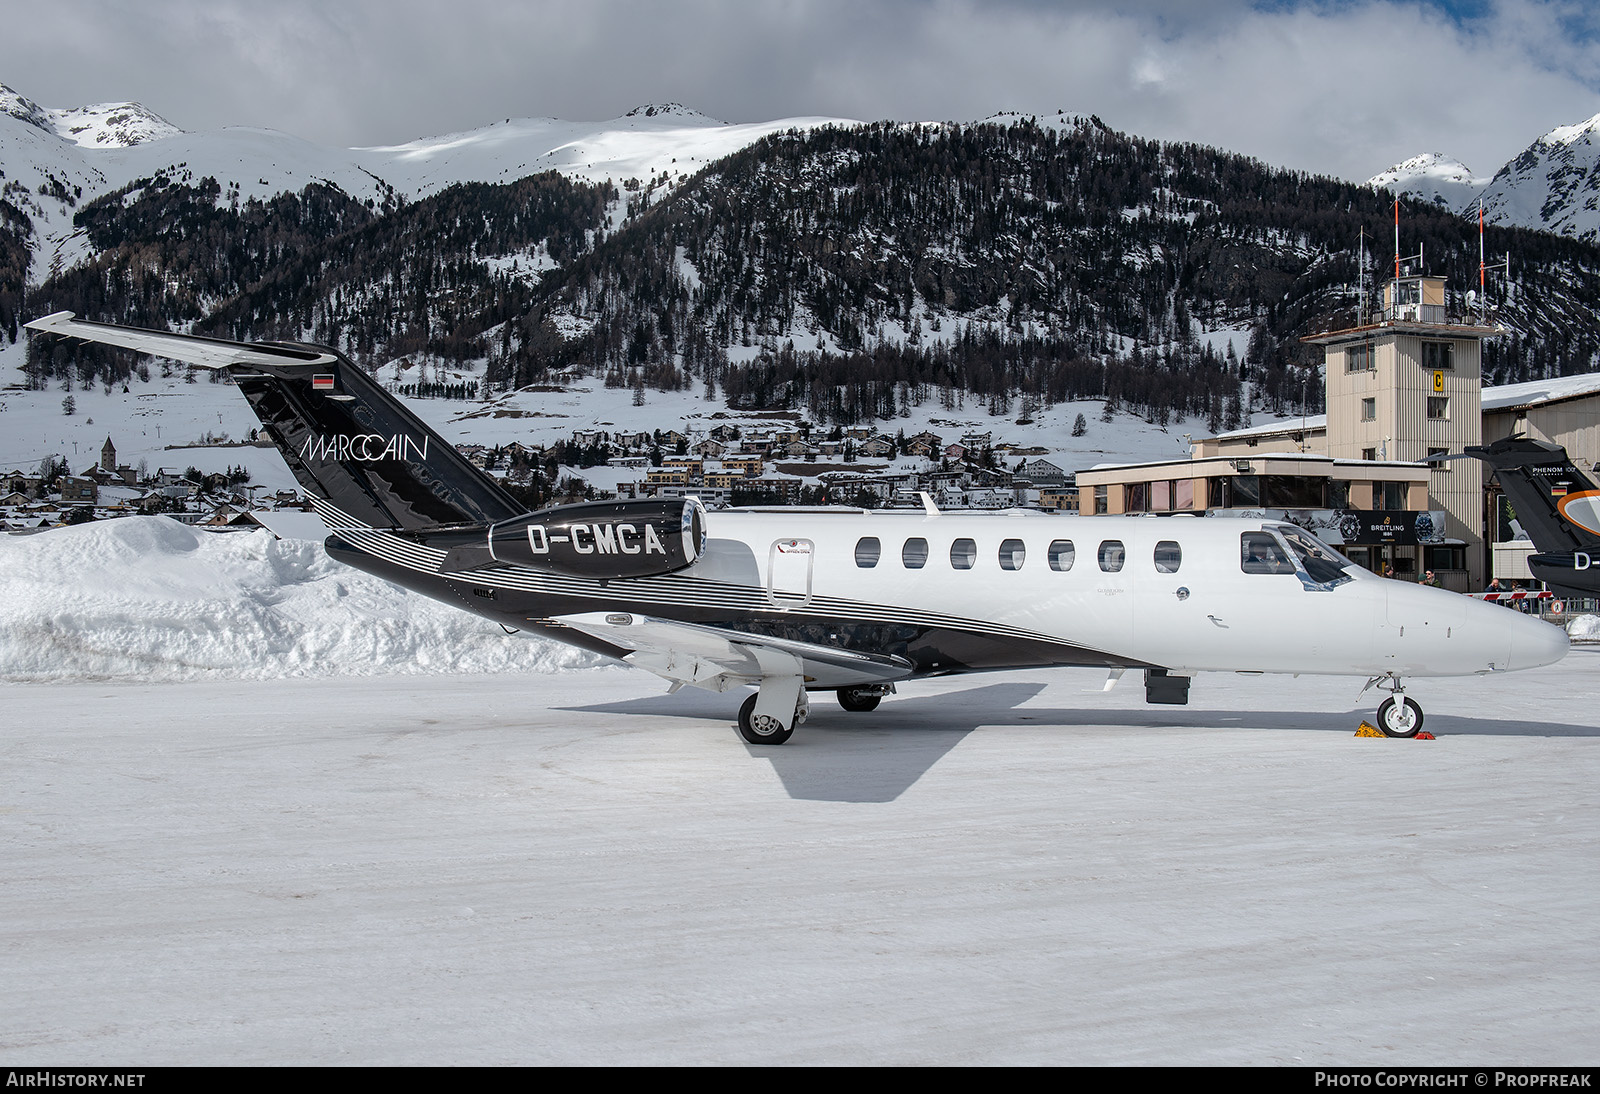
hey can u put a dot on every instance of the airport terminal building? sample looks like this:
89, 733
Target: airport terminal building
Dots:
1403, 387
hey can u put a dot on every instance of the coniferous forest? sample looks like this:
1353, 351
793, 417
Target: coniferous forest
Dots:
843, 272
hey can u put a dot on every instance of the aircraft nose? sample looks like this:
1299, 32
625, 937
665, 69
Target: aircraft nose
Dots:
1535, 642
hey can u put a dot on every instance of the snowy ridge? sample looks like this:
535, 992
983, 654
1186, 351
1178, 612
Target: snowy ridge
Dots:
1553, 186
150, 599
111, 125
24, 109
1432, 177
62, 159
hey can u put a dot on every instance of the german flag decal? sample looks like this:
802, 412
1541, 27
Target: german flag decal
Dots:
322, 381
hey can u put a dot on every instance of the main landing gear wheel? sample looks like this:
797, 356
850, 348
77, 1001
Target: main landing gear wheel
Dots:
1399, 717
759, 729
859, 700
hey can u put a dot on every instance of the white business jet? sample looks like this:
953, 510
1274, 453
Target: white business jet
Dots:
795, 600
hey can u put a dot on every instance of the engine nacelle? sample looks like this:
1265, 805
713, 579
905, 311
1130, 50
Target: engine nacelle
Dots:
604, 539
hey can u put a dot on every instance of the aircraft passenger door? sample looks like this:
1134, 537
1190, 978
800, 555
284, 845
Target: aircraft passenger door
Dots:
789, 573
1182, 613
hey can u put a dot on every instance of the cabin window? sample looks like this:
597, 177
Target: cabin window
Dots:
963, 553
1062, 555
1169, 556
867, 551
1012, 552
1260, 553
914, 555
1112, 554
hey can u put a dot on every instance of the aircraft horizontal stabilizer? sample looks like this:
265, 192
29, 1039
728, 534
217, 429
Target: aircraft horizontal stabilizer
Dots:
190, 349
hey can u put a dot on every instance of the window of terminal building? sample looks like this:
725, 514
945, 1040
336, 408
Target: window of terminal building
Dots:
1369, 410
1389, 496
1444, 558
1438, 355
1338, 493
1438, 408
1102, 503
1359, 358
1136, 497
1294, 492
1369, 453
1442, 465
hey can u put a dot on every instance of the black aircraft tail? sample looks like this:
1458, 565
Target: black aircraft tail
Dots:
1557, 505
348, 441
1544, 486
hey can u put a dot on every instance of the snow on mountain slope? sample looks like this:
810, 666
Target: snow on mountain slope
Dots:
61, 159
111, 125
1432, 177
1553, 185
148, 598
649, 140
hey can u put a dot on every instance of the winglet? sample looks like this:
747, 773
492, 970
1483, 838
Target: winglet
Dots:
927, 504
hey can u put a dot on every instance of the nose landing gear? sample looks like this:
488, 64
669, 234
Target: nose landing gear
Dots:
1398, 716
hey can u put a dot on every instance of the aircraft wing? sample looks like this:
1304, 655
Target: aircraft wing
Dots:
717, 659
188, 348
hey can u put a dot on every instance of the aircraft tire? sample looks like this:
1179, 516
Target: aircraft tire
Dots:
857, 700
763, 733
1399, 717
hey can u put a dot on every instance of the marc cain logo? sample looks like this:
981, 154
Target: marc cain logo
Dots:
364, 447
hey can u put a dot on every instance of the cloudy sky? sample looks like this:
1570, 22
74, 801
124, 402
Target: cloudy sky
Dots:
1324, 85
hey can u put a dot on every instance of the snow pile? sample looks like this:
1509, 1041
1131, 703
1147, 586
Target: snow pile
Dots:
1584, 628
149, 598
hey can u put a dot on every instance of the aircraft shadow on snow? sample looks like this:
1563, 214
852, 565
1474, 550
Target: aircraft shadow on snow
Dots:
876, 757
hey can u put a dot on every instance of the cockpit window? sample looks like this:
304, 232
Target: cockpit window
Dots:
1322, 563
1261, 553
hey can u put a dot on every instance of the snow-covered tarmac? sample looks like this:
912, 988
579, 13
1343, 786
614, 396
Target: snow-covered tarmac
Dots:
575, 868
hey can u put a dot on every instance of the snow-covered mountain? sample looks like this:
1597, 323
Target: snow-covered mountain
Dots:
1432, 177
54, 161
1552, 186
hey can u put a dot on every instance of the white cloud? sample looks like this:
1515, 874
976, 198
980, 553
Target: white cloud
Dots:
1346, 88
